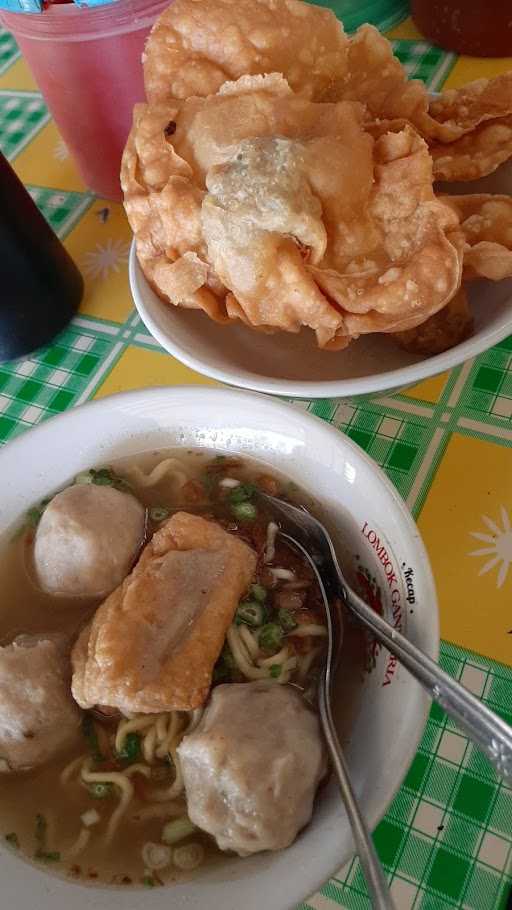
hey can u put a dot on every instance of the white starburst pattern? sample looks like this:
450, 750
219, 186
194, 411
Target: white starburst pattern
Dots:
106, 258
60, 150
498, 546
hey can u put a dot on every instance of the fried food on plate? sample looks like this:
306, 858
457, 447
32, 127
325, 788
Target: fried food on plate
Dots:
195, 47
476, 154
459, 111
376, 78
486, 223
174, 608
448, 327
323, 227
282, 173
469, 129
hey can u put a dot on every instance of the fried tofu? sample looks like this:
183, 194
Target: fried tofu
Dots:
153, 643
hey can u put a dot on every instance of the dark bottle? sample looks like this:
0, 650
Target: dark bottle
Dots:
40, 286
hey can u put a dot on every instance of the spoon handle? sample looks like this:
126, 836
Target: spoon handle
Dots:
372, 869
478, 722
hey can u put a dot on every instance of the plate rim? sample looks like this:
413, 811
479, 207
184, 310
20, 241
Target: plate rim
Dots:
378, 383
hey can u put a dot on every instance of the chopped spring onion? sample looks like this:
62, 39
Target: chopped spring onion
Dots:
282, 574
99, 790
244, 511
12, 839
286, 619
156, 856
229, 483
105, 477
159, 513
89, 732
275, 670
149, 881
242, 493
251, 613
131, 747
84, 477
47, 856
259, 593
177, 829
33, 516
188, 857
270, 637
90, 818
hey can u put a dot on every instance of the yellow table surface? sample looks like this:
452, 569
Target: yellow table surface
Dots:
458, 483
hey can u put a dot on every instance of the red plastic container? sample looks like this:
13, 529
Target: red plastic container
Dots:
87, 63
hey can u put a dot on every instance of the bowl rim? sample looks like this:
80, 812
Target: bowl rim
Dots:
296, 388
42, 434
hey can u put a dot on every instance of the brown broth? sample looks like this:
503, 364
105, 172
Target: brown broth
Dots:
25, 609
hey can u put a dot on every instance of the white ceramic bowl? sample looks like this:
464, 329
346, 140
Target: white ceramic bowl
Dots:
292, 365
374, 530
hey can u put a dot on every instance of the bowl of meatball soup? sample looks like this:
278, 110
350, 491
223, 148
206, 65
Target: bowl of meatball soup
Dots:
160, 650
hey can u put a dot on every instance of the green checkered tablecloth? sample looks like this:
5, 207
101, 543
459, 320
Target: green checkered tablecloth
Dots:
446, 840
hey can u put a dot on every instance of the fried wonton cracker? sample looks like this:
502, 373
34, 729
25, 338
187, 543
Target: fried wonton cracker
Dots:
197, 45
323, 226
376, 78
486, 224
474, 155
152, 645
459, 111
446, 328
414, 266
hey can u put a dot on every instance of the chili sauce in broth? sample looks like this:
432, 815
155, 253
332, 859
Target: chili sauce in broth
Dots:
51, 814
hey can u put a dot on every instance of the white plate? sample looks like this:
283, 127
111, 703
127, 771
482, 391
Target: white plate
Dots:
292, 365
374, 529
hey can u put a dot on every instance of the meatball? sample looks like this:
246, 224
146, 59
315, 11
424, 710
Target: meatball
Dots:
38, 717
252, 766
87, 540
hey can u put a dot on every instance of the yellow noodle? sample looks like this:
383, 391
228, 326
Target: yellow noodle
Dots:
173, 730
120, 780
157, 474
308, 629
278, 658
161, 728
80, 844
249, 641
134, 725
149, 744
241, 657
67, 773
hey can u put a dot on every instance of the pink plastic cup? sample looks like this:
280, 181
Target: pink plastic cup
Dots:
87, 63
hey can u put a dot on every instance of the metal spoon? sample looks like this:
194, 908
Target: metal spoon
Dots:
372, 869
488, 731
